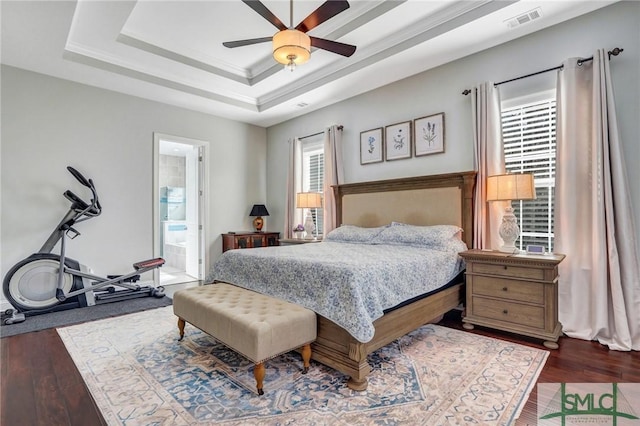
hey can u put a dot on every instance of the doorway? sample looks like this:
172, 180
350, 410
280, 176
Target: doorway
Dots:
179, 208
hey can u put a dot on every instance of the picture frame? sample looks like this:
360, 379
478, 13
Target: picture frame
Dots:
429, 135
398, 141
371, 146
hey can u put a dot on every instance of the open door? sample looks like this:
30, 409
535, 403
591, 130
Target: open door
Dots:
179, 208
195, 229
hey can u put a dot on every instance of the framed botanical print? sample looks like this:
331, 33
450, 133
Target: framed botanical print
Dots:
398, 141
429, 134
371, 146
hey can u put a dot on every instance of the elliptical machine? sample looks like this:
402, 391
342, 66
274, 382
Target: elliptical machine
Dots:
47, 282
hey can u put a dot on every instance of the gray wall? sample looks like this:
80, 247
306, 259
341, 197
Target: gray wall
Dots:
49, 123
440, 90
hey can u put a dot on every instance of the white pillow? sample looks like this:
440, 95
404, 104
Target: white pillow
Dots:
446, 237
354, 234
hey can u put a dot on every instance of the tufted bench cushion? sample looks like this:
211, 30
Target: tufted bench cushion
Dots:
257, 326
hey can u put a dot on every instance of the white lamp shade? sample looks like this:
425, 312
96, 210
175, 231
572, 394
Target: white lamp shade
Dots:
511, 187
291, 46
308, 200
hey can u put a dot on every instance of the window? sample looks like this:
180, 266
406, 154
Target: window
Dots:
529, 134
313, 176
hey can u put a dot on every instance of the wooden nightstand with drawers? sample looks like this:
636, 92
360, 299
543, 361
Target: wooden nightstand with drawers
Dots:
514, 292
242, 240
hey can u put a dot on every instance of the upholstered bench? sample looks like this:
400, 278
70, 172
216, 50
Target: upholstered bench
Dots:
258, 327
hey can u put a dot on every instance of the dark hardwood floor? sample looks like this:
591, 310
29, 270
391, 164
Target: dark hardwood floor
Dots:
40, 385
575, 361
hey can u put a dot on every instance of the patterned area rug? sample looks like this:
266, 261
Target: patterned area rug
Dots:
139, 374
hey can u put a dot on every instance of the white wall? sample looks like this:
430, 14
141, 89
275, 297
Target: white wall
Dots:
49, 123
440, 90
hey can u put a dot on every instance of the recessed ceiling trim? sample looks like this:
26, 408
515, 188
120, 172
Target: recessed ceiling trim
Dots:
433, 21
155, 72
266, 67
458, 14
359, 14
137, 43
71, 55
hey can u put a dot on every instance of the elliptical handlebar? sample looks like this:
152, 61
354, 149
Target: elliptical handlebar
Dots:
80, 211
76, 174
81, 207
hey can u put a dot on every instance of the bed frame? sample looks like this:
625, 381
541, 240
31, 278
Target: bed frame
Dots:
425, 200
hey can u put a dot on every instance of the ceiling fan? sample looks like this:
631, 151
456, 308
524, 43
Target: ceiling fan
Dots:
292, 46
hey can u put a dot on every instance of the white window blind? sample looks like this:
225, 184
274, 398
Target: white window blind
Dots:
529, 134
313, 176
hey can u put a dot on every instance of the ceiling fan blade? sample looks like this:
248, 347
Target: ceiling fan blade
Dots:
333, 46
240, 43
327, 10
262, 10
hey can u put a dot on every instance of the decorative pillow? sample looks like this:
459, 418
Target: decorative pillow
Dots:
354, 234
445, 228
446, 237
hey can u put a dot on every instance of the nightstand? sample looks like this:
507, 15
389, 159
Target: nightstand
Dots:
241, 240
514, 292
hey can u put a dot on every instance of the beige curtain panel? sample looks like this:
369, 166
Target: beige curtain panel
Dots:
489, 160
599, 284
292, 215
333, 172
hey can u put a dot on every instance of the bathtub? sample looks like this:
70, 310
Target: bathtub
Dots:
174, 243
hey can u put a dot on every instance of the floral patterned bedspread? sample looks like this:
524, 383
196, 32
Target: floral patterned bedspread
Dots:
349, 284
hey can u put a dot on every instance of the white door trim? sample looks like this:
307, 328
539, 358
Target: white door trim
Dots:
204, 199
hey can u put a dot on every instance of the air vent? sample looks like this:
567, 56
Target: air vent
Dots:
302, 105
524, 18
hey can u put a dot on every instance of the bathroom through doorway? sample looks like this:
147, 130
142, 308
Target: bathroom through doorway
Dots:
179, 208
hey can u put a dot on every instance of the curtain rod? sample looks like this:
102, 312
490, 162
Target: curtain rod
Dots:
340, 127
614, 52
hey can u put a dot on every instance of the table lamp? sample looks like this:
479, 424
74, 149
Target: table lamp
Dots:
510, 187
258, 211
309, 200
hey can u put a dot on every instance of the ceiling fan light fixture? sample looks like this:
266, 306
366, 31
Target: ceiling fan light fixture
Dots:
291, 48
291, 66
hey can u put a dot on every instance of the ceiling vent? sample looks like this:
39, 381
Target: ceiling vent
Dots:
525, 18
302, 105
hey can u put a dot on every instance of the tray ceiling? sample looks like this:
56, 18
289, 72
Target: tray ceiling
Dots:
171, 51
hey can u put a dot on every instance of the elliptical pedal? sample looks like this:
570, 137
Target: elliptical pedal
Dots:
150, 263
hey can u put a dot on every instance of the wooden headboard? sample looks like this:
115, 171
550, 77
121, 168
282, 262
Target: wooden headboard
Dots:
423, 200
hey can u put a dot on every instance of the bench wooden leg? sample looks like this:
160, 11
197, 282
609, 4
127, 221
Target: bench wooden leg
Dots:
306, 357
181, 328
258, 373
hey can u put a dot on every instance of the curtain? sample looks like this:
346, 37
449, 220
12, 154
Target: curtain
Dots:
292, 215
599, 284
489, 160
333, 174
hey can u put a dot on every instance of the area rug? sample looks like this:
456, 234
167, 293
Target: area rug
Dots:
139, 374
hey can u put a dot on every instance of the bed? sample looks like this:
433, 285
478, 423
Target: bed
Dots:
444, 200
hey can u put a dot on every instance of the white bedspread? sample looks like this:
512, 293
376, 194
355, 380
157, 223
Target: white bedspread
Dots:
349, 284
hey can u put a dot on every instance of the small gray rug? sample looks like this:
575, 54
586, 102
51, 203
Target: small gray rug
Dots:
80, 315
